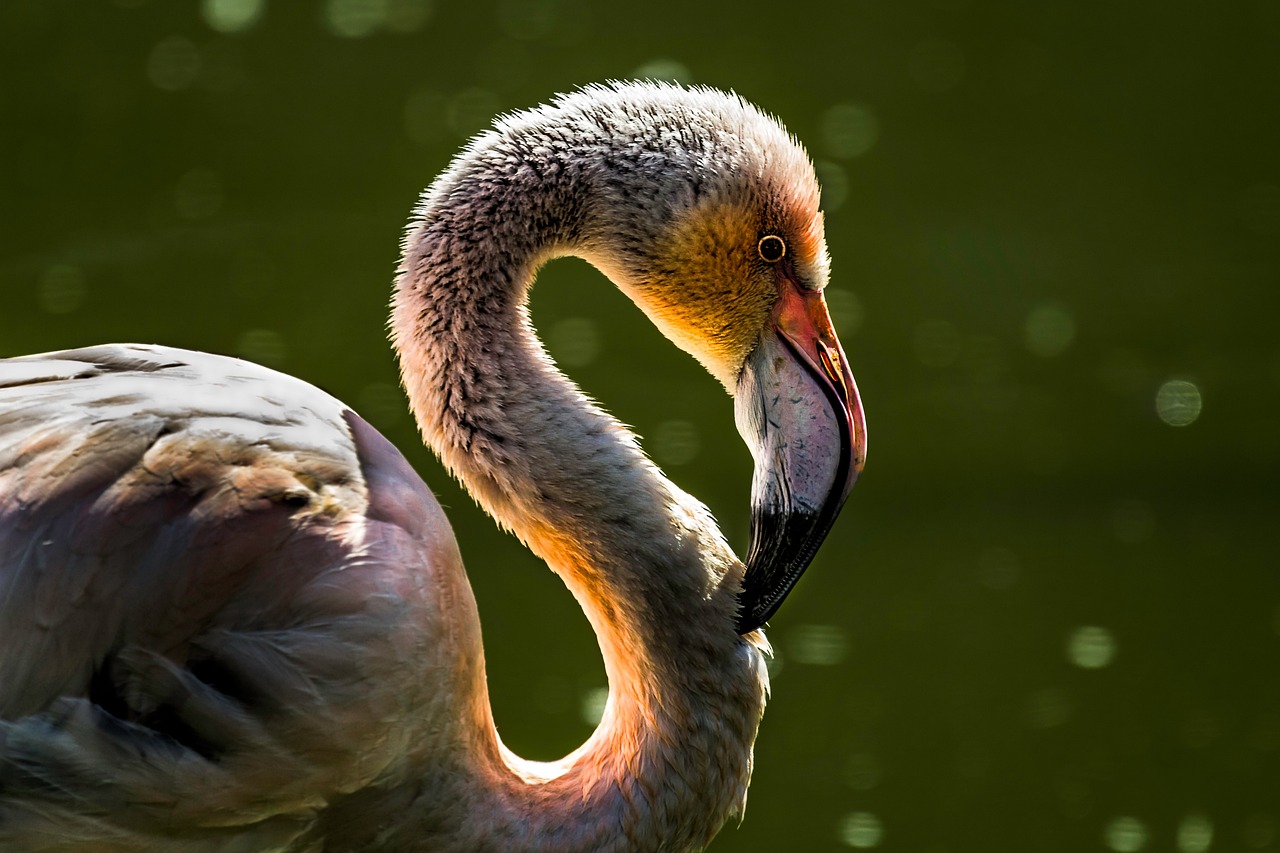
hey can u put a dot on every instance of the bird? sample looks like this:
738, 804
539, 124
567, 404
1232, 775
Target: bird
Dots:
233, 618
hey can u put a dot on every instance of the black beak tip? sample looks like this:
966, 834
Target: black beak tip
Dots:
804, 430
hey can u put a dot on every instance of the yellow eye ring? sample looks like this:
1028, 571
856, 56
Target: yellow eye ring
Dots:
771, 248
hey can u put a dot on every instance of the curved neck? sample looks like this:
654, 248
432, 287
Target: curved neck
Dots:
671, 758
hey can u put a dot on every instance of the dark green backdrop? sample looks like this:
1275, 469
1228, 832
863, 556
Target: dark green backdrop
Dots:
1050, 616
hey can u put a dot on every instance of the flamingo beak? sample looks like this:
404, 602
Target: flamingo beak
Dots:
797, 408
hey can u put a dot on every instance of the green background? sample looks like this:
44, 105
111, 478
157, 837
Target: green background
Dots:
1048, 619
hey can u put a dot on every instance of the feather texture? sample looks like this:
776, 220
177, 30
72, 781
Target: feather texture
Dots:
233, 617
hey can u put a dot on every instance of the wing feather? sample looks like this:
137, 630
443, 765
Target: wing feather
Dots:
211, 622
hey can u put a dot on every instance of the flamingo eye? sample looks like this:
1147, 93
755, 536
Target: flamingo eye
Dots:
771, 248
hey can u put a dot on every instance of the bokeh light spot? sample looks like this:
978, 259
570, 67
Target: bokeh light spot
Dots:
1195, 834
471, 110
1200, 728
817, 645
552, 695
262, 346
593, 705
775, 663
1125, 835
862, 771
676, 442
1178, 402
424, 115
1258, 831
381, 404
1049, 708
1133, 522
1090, 647
850, 130
174, 64
354, 18
861, 830
834, 181
664, 68
198, 194
987, 364
61, 289
574, 341
845, 309
937, 343
231, 16
998, 569
1049, 330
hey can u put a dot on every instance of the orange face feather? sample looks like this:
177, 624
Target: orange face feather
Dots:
711, 292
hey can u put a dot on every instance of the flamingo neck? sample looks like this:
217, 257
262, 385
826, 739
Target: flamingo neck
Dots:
671, 758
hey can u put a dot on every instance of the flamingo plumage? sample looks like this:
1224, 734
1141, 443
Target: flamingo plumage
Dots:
234, 619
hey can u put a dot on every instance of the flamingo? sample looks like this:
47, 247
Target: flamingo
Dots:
233, 618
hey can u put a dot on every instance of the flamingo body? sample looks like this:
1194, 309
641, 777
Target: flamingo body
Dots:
216, 525
234, 619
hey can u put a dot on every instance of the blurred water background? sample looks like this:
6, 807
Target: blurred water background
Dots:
1049, 618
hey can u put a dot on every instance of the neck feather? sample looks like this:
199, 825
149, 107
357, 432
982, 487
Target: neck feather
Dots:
671, 759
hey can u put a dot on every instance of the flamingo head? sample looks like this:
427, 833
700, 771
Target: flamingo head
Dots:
719, 239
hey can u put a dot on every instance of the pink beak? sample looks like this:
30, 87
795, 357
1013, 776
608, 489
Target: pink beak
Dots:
797, 407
